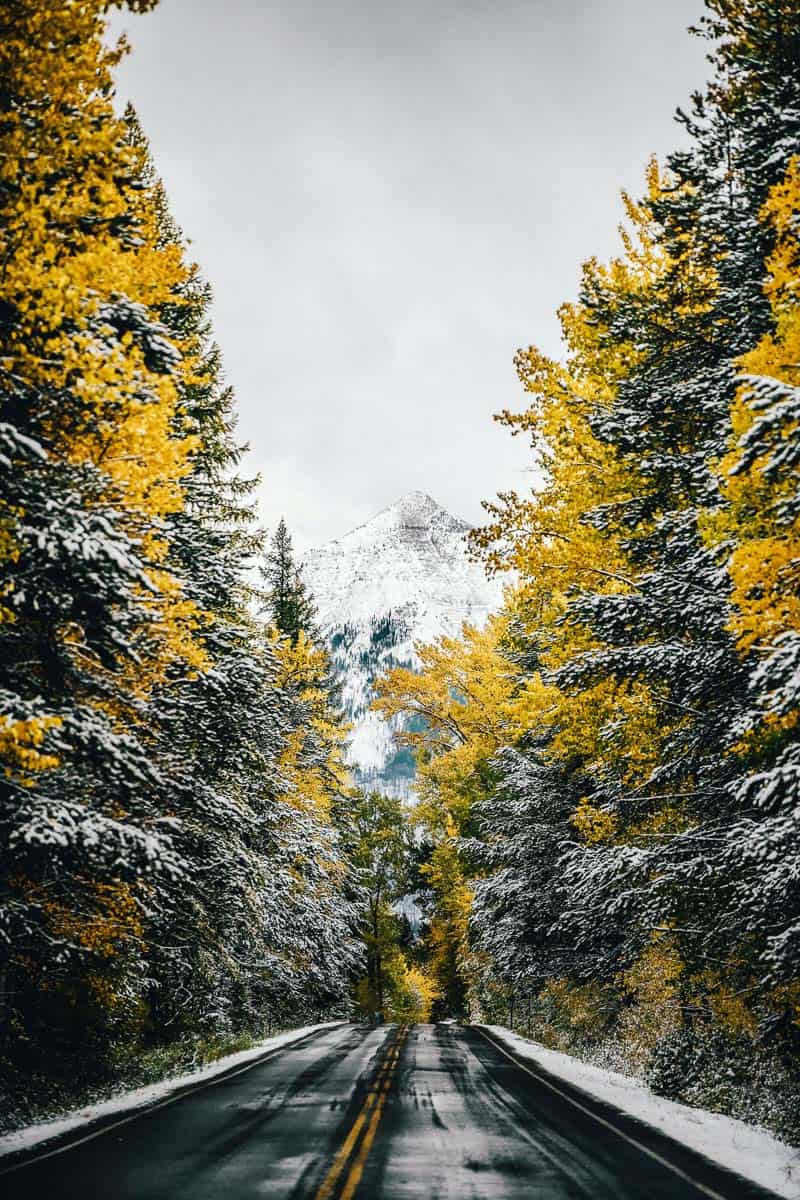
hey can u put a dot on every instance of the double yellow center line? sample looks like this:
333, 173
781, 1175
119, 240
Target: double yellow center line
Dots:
369, 1115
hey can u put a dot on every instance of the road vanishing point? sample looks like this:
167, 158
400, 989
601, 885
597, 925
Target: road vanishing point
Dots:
390, 1113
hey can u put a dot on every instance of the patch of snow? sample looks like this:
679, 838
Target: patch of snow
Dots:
745, 1149
126, 1103
407, 907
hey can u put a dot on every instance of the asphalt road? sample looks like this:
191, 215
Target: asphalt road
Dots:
427, 1112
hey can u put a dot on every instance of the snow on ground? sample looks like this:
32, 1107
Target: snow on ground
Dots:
126, 1103
745, 1149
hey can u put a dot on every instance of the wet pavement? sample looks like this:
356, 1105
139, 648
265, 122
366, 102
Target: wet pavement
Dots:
429, 1112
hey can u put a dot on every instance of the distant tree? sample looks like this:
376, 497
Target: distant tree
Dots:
379, 842
288, 602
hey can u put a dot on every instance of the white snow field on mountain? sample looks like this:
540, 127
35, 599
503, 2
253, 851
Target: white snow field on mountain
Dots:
402, 578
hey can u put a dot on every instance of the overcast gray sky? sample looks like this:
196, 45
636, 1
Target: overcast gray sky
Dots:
389, 199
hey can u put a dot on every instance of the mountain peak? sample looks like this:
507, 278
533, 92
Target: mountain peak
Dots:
413, 517
402, 578
413, 507
411, 555
412, 511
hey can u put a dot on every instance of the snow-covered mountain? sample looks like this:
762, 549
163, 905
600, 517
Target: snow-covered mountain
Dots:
401, 578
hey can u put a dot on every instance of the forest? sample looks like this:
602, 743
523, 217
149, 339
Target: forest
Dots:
605, 850
609, 771
173, 874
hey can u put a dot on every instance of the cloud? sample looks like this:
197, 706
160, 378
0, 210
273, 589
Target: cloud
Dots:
389, 199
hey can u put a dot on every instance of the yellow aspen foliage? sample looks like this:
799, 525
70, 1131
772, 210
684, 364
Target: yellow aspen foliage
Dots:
414, 992
462, 696
106, 924
447, 941
19, 746
83, 281
546, 537
115, 921
312, 762
653, 985
567, 1010
765, 561
668, 818
727, 1002
654, 976
409, 991
593, 823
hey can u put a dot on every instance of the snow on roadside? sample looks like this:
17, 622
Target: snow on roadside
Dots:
744, 1149
127, 1102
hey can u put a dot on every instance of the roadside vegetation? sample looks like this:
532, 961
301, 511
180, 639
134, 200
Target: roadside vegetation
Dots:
172, 880
605, 848
608, 773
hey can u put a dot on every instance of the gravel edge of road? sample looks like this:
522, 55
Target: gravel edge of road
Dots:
93, 1126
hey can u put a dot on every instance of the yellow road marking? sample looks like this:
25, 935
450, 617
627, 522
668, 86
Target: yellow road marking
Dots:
357, 1169
377, 1093
329, 1182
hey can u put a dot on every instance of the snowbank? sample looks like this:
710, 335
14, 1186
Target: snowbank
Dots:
126, 1103
745, 1149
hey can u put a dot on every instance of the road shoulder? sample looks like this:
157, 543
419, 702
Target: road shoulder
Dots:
723, 1154
52, 1137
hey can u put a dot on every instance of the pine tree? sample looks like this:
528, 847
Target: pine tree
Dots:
379, 843
673, 418
93, 619
287, 600
248, 747
759, 526
159, 876
647, 691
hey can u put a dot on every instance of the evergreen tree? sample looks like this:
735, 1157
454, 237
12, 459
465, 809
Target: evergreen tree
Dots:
169, 863
287, 600
246, 748
379, 835
93, 619
656, 353
639, 827
672, 418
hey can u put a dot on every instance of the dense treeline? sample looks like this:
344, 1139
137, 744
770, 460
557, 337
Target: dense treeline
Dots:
397, 984
170, 863
610, 770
